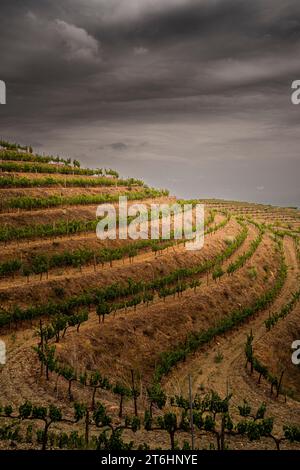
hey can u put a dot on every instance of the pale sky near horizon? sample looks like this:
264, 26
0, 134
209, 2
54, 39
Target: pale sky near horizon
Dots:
191, 95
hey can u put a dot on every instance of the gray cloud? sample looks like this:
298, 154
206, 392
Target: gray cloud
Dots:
205, 84
119, 146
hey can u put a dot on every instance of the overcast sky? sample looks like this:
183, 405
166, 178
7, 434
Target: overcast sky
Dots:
192, 95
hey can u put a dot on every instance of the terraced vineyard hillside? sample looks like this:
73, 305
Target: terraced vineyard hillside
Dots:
104, 337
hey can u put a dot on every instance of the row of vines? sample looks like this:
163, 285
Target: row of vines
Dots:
12, 181
196, 340
29, 203
40, 264
109, 299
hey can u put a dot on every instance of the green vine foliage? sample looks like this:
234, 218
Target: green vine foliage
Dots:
30, 203
12, 181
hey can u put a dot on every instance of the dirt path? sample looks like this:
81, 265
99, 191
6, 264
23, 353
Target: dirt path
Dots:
229, 374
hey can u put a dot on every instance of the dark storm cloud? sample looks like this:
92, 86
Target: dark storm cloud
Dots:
118, 146
206, 83
187, 50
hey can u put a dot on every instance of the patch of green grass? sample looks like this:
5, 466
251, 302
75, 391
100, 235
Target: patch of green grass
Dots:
218, 357
252, 273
